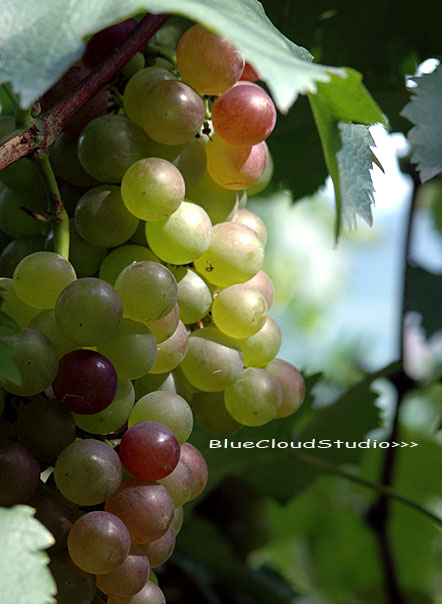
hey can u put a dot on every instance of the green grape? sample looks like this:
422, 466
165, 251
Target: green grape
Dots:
239, 311
163, 328
220, 204
263, 346
254, 397
65, 162
208, 62
172, 351
171, 112
182, 237
292, 385
148, 290
114, 416
212, 414
152, 188
135, 64
88, 472
234, 255
194, 297
14, 221
13, 306
45, 323
138, 85
165, 408
123, 256
102, 219
189, 158
265, 177
36, 360
84, 257
16, 250
41, 277
152, 382
89, 311
253, 221
213, 360
132, 350
109, 145
263, 282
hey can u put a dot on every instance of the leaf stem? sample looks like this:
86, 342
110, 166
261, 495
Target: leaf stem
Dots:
59, 216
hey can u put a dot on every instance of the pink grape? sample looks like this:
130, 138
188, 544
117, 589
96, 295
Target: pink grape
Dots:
244, 115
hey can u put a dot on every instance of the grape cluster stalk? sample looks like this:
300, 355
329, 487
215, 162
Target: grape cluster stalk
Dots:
160, 315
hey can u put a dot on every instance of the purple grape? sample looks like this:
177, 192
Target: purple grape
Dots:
86, 382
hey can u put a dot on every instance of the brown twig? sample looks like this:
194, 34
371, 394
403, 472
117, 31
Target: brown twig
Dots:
45, 130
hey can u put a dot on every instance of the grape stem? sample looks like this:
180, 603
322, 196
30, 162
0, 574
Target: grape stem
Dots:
44, 130
57, 213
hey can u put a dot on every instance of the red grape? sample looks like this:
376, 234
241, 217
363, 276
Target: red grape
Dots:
149, 450
244, 115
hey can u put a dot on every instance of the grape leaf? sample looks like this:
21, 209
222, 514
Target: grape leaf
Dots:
38, 50
346, 100
425, 111
424, 293
23, 566
354, 161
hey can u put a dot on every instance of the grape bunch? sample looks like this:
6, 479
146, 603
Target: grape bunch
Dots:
160, 314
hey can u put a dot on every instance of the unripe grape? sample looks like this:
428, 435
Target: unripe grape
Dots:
152, 189
171, 112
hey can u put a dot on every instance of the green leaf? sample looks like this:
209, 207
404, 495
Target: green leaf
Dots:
425, 111
38, 50
346, 100
424, 293
8, 369
354, 160
25, 577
